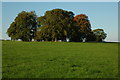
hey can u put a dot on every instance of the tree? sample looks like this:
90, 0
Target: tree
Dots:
39, 36
100, 34
90, 37
56, 23
12, 32
74, 33
84, 24
23, 27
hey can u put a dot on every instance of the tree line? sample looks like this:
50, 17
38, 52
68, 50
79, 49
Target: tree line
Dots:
56, 24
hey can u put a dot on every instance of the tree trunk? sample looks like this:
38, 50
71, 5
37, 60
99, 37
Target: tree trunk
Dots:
55, 39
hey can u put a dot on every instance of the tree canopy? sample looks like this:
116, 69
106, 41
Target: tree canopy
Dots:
23, 27
84, 24
54, 25
100, 34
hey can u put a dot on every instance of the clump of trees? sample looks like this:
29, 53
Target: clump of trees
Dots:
56, 24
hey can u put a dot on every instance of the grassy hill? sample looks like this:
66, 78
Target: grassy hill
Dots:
59, 60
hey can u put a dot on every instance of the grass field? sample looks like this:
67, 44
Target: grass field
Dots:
59, 60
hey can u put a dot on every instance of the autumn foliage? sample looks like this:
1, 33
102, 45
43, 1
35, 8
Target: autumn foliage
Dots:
83, 22
54, 25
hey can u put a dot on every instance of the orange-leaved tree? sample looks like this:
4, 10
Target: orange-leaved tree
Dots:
84, 24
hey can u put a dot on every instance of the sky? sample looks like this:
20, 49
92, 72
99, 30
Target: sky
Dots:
60, 0
102, 15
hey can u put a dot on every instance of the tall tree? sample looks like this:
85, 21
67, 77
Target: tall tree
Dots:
84, 24
24, 26
58, 23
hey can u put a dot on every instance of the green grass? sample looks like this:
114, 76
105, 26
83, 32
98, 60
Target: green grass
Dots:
59, 60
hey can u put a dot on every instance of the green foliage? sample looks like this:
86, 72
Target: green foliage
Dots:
12, 31
59, 60
23, 27
75, 34
100, 34
90, 37
57, 24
